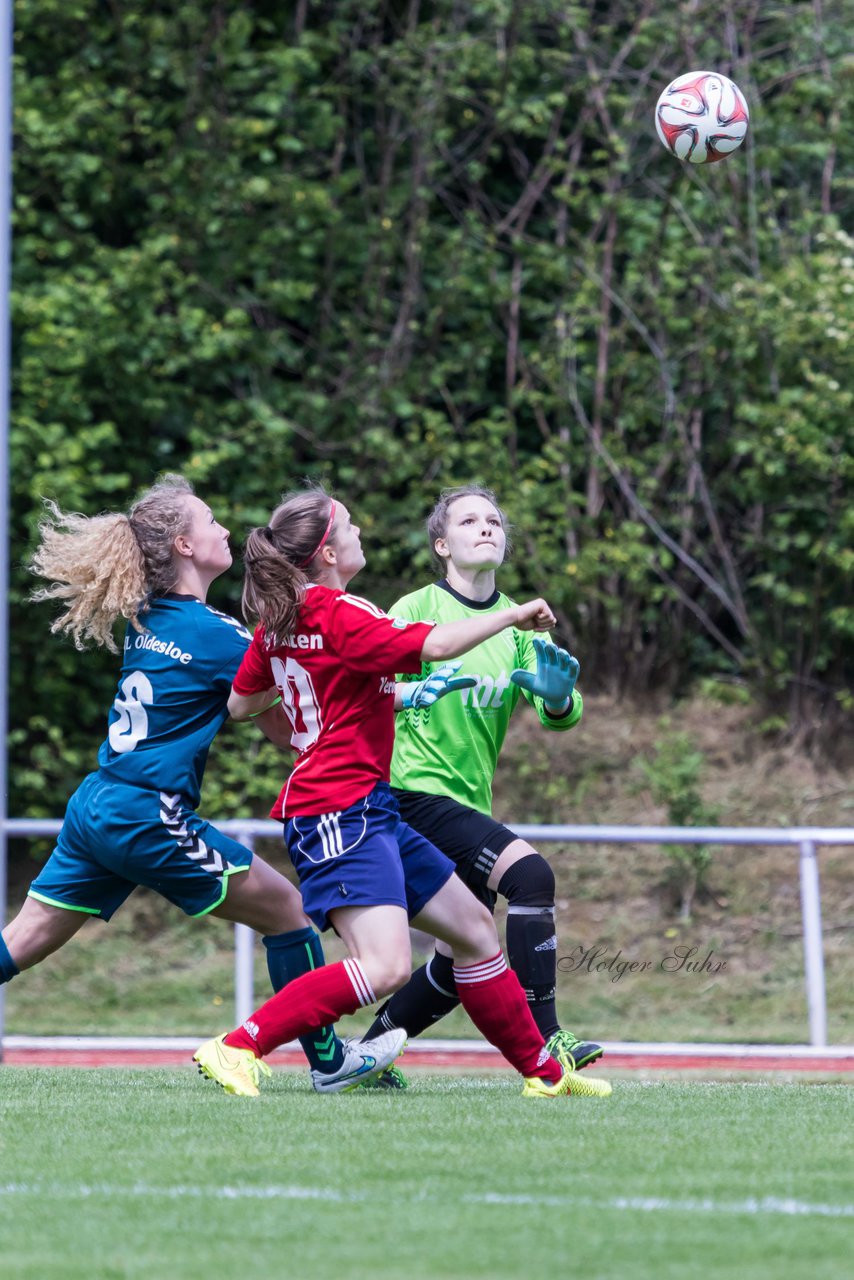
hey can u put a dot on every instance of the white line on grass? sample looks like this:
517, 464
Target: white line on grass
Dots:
140, 1189
766, 1206
655, 1204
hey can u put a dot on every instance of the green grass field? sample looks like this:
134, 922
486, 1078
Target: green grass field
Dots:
157, 1173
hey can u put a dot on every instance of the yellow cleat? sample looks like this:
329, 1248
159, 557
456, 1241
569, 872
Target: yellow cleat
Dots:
571, 1084
236, 1070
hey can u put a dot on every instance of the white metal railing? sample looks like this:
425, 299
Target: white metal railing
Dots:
806, 839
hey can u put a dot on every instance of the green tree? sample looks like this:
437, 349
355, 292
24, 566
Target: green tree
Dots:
397, 246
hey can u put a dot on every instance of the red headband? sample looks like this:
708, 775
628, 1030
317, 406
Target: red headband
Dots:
322, 543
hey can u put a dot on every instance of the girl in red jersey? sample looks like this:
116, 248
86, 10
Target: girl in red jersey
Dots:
332, 658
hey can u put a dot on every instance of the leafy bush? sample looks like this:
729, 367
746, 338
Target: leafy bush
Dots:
672, 776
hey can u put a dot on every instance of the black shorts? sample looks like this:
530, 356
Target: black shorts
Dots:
469, 838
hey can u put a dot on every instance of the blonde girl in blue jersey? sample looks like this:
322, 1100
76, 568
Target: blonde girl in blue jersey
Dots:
133, 821
447, 742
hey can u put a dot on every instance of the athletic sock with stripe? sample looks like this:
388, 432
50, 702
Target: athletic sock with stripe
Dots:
311, 1001
494, 1000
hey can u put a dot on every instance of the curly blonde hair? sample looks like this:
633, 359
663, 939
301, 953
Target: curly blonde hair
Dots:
105, 567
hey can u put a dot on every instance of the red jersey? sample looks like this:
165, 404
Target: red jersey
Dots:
336, 675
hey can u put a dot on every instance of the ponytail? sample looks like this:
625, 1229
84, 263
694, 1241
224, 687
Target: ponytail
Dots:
273, 587
278, 559
104, 567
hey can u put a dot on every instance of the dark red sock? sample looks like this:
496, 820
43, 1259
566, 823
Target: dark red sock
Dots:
494, 1000
313, 1000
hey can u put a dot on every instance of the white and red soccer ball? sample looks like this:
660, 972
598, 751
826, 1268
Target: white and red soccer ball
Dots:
702, 117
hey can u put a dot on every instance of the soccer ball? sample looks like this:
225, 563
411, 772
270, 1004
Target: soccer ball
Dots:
701, 117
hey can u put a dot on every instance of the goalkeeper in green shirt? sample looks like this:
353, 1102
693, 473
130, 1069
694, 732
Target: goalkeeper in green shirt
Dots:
445, 755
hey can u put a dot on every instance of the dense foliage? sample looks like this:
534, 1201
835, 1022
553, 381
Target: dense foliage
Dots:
403, 245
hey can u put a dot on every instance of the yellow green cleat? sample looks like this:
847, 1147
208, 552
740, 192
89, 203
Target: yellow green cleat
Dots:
236, 1070
570, 1085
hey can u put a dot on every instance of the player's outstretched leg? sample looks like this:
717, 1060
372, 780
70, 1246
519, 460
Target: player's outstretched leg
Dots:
490, 992
495, 1002
318, 999
430, 994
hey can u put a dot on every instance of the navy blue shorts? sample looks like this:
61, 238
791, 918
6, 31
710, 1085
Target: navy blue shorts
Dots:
115, 838
364, 856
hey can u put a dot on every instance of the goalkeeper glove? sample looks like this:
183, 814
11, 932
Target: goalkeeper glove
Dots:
443, 680
554, 678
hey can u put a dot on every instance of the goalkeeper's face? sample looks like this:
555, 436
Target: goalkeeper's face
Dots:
474, 537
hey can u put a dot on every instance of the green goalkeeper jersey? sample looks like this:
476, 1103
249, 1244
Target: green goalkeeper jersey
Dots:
452, 747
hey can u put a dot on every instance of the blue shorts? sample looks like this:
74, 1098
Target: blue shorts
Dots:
115, 838
364, 856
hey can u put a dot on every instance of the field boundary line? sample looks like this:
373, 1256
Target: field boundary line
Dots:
751, 1206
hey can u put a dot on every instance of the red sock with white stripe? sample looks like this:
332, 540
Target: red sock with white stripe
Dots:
494, 1000
313, 1000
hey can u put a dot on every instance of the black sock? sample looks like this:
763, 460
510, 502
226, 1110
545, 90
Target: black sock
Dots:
424, 1000
529, 887
532, 953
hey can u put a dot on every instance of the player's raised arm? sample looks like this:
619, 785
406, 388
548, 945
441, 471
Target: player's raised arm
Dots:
450, 639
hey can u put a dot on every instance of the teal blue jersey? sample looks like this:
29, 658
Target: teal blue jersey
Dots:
451, 748
171, 701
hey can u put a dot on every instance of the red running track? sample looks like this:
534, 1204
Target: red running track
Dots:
461, 1060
